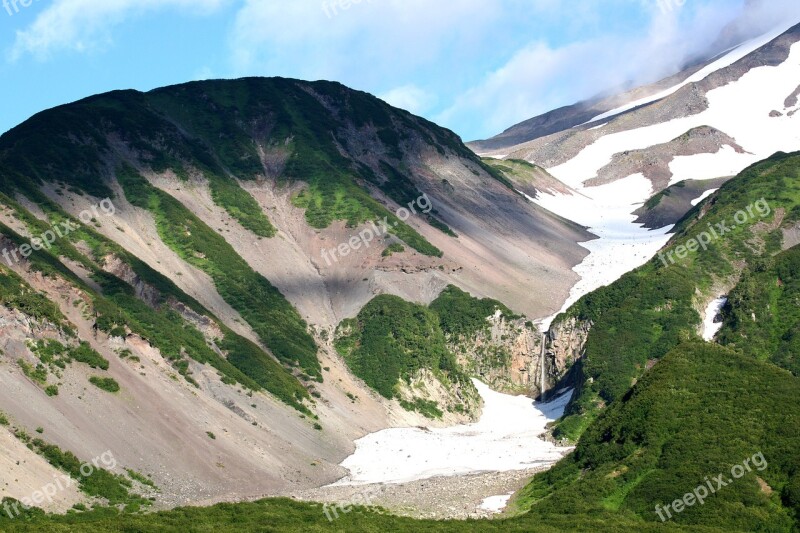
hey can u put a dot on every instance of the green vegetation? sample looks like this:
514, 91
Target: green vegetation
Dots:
238, 130
240, 205
37, 374
54, 355
118, 308
295, 125
274, 320
770, 292
392, 339
651, 310
427, 408
91, 478
17, 294
144, 480
106, 384
85, 354
462, 315
290, 516
394, 248
701, 410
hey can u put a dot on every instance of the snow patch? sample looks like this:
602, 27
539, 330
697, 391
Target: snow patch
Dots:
725, 162
505, 438
740, 109
703, 196
495, 504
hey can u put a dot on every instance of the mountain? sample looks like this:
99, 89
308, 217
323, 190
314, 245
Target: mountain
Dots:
178, 265
657, 408
227, 283
712, 120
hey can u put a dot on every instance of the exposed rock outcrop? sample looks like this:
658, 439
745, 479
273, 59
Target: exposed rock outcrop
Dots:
566, 341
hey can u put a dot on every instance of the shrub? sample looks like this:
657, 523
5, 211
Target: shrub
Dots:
106, 384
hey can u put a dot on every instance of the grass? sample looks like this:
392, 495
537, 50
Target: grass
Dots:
15, 293
702, 409
274, 320
91, 478
118, 308
391, 340
290, 516
770, 292
394, 248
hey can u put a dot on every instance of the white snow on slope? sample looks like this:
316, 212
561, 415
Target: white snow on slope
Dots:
725, 162
725, 60
703, 196
622, 246
741, 109
711, 328
506, 438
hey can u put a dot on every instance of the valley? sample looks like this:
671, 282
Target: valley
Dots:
288, 305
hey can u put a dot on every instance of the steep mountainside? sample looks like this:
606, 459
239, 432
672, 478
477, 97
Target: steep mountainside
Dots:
648, 312
175, 265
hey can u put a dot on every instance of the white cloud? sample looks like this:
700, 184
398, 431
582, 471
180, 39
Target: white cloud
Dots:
411, 98
82, 25
551, 52
540, 77
372, 43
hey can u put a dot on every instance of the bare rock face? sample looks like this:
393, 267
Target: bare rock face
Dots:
512, 356
566, 341
116, 266
654, 162
506, 356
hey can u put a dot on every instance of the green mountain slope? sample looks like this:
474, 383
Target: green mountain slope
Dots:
224, 133
698, 413
650, 311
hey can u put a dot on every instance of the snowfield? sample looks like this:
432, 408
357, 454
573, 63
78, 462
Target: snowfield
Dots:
496, 504
506, 438
740, 109
726, 59
622, 245
703, 196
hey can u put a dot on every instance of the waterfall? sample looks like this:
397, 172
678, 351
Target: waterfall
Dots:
542, 364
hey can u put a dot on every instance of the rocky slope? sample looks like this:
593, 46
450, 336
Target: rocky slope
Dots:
677, 132
202, 244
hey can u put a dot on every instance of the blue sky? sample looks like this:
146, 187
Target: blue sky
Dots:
475, 66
